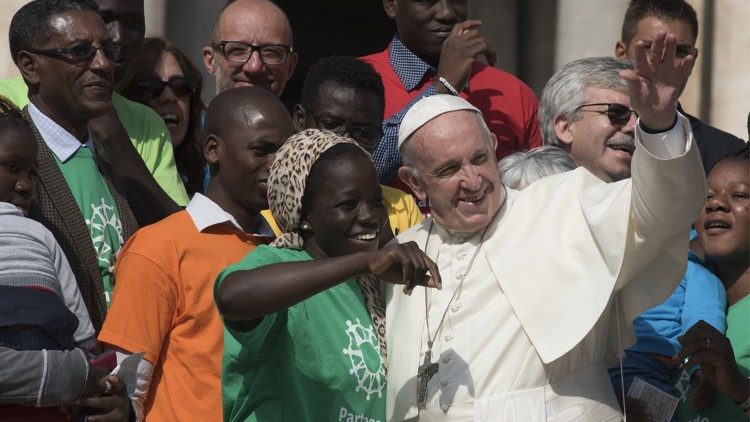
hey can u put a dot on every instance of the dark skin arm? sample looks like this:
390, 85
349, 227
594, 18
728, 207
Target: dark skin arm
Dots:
146, 198
247, 296
716, 359
464, 45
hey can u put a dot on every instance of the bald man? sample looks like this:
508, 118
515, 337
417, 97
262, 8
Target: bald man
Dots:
167, 270
251, 45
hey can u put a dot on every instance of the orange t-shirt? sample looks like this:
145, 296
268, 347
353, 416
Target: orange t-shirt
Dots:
163, 305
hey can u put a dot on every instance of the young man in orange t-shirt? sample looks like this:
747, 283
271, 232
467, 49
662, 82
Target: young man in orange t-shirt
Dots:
163, 302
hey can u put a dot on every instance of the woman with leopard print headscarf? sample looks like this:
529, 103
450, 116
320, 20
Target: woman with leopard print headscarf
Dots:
304, 336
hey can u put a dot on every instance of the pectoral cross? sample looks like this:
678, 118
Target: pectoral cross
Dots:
425, 371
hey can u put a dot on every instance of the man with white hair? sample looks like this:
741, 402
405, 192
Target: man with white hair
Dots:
519, 330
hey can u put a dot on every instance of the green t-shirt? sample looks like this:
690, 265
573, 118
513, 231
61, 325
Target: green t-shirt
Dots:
99, 210
145, 128
318, 360
723, 408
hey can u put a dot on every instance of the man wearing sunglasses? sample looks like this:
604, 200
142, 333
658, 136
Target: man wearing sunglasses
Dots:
132, 132
643, 20
585, 110
251, 45
65, 55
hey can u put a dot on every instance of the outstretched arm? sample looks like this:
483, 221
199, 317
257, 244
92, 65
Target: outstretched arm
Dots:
250, 295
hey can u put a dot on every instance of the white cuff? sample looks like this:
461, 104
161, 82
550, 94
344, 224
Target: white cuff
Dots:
665, 145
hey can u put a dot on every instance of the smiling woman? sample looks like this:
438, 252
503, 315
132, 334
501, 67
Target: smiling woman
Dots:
163, 78
313, 290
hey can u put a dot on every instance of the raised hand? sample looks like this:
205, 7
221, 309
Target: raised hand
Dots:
462, 47
405, 264
657, 81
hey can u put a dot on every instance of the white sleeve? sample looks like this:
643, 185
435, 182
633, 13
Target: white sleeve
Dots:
138, 398
665, 145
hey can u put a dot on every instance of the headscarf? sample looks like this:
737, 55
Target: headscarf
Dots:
287, 179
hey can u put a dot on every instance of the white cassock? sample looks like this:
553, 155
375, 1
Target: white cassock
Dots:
564, 261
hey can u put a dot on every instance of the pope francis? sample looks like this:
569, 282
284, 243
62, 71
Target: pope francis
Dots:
540, 285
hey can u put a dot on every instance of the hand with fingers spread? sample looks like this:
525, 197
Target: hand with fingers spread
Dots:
657, 81
462, 47
405, 264
704, 345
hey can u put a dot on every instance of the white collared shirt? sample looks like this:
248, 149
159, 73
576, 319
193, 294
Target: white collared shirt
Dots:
62, 143
206, 213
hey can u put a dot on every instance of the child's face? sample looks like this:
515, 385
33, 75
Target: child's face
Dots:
17, 162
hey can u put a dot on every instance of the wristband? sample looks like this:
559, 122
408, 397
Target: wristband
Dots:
448, 86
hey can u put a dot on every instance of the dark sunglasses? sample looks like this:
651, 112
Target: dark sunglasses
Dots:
151, 88
618, 114
80, 54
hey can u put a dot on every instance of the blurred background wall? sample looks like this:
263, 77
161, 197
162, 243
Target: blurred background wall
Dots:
533, 39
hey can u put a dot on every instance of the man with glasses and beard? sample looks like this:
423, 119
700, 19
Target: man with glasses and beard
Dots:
586, 111
251, 45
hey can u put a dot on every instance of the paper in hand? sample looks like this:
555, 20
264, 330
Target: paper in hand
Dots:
127, 371
659, 405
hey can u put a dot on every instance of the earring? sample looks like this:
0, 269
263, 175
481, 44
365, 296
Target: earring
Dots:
304, 226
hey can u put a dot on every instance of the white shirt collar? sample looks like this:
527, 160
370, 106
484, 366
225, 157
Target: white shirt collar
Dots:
206, 213
62, 143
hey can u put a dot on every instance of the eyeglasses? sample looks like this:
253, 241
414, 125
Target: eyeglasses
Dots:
240, 52
151, 88
80, 54
618, 114
370, 135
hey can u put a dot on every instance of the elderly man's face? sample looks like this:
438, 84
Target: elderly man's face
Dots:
423, 26
257, 23
595, 142
127, 26
73, 90
456, 169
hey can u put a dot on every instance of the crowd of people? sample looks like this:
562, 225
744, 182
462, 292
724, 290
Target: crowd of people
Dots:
418, 238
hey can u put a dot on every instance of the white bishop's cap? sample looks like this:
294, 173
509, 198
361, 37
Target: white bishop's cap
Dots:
427, 109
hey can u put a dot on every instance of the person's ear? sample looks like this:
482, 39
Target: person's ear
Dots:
390, 7
621, 50
29, 67
406, 174
299, 117
564, 132
208, 59
212, 149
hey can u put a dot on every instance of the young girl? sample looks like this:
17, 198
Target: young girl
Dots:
304, 326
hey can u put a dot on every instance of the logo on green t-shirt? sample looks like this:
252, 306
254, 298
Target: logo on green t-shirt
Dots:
364, 355
104, 221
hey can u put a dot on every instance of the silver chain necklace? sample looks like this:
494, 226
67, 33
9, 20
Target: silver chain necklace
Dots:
428, 369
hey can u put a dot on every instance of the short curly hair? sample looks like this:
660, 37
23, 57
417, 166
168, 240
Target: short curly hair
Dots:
344, 71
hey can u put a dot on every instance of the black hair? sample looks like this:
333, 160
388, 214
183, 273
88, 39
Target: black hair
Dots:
664, 10
344, 71
11, 117
320, 168
30, 26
